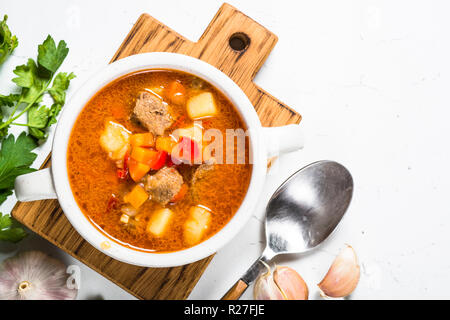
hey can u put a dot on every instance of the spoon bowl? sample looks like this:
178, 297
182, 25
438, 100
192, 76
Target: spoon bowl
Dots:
301, 214
307, 207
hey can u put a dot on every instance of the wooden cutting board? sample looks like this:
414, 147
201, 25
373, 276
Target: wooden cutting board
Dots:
252, 43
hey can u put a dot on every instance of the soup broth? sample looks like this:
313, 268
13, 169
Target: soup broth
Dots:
124, 176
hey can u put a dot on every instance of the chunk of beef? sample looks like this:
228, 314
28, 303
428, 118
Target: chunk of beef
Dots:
152, 113
164, 185
201, 171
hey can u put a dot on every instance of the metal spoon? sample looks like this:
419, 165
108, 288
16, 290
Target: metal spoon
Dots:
301, 214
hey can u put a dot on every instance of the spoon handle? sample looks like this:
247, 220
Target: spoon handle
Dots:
236, 291
242, 284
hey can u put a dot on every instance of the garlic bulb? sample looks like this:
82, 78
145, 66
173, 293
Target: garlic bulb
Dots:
34, 275
284, 284
343, 275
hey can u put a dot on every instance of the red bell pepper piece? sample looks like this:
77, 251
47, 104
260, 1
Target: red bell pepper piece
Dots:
113, 203
122, 173
159, 161
189, 149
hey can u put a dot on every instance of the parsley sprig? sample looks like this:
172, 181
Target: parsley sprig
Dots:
8, 42
35, 79
15, 159
10, 230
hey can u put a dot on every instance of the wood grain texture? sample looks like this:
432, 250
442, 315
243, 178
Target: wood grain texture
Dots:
236, 291
46, 217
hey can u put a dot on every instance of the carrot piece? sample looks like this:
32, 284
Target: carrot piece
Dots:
142, 140
137, 169
165, 144
143, 155
176, 93
180, 195
136, 197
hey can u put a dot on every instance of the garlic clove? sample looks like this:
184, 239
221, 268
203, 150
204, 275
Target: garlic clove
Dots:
34, 275
290, 283
284, 284
265, 287
343, 275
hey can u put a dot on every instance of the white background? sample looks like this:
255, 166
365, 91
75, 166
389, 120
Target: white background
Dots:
371, 79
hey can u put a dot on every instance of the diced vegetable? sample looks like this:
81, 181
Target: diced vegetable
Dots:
159, 221
176, 93
196, 225
180, 195
129, 210
193, 132
115, 140
136, 197
143, 155
187, 151
159, 161
137, 170
165, 144
201, 106
124, 218
112, 203
122, 172
142, 140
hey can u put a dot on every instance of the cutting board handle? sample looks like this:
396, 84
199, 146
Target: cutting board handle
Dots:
242, 44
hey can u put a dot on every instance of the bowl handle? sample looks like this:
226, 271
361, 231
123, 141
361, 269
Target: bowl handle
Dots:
33, 186
283, 139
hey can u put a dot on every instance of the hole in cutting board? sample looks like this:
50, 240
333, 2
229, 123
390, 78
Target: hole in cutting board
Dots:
239, 41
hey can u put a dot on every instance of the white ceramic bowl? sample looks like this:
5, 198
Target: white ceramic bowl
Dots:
54, 183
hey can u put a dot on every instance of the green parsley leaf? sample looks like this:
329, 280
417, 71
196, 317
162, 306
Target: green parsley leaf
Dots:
50, 56
8, 100
3, 130
59, 87
38, 116
32, 83
4, 194
15, 159
8, 42
54, 111
26, 74
9, 231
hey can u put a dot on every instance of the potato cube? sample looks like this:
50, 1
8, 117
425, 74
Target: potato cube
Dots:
196, 225
115, 140
201, 106
124, 218
159, 222
194, 132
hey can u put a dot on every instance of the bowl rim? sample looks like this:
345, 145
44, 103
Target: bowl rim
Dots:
69, 115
